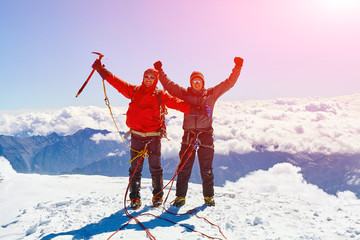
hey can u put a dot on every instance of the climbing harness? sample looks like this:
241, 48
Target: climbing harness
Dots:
198, 143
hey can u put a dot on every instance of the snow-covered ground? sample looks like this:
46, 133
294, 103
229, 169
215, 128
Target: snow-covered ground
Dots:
273, 204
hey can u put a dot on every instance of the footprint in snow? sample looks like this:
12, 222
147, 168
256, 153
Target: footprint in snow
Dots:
31, 230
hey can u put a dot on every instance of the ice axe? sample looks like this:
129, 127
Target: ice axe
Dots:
87, 80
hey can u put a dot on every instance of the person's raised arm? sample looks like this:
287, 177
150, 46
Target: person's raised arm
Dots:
225, 85
123, 87
173, 88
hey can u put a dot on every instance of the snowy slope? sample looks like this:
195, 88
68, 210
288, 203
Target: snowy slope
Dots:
273, 204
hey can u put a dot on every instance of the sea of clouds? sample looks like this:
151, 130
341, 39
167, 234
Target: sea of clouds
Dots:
311, 125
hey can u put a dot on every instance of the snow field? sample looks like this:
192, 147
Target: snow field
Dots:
273, 204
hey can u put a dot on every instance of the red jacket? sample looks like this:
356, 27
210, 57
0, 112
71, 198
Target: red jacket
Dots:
143, 114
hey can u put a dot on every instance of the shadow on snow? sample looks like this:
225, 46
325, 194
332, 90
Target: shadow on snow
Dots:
117, 220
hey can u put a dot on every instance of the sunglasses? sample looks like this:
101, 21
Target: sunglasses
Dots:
196, 81
151, 77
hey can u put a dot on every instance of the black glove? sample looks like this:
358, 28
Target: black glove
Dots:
238, 61
158, 65
197, 111
104, 73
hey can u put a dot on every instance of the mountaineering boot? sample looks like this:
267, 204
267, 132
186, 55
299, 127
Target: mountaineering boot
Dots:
157, 201
178, 202
209, 201
135, 203
135, 199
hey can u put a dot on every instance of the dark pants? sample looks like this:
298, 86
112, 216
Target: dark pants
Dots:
154, 152
205, 155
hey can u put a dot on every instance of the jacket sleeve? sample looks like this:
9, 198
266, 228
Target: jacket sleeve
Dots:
224, 86
173, 88
123, 87
175, 103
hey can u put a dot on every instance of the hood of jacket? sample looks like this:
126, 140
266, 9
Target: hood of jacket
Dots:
145, 90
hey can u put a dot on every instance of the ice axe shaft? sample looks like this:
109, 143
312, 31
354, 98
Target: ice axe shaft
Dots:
92, 72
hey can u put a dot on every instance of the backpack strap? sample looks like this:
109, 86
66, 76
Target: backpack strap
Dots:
163, 112
132, 96
158, 95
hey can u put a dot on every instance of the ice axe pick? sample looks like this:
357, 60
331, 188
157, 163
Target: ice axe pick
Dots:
87, 80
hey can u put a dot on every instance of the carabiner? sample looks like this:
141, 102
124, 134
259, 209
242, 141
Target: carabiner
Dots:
196, 145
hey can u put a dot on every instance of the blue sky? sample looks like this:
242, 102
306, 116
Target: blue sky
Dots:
291, 48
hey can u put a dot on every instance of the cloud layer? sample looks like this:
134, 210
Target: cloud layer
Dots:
312, 125
286, 179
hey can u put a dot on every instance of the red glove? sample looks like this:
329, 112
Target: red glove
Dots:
158, 65
97, 64
104, 73
238, 61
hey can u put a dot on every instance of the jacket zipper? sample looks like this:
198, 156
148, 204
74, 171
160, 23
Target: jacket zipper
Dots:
196, 117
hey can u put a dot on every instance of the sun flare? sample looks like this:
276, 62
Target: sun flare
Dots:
341, 5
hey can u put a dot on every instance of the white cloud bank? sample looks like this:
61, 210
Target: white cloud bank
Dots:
284, 178
312, 125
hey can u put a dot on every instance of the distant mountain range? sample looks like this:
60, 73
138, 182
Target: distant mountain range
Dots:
55, 154
79, 154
